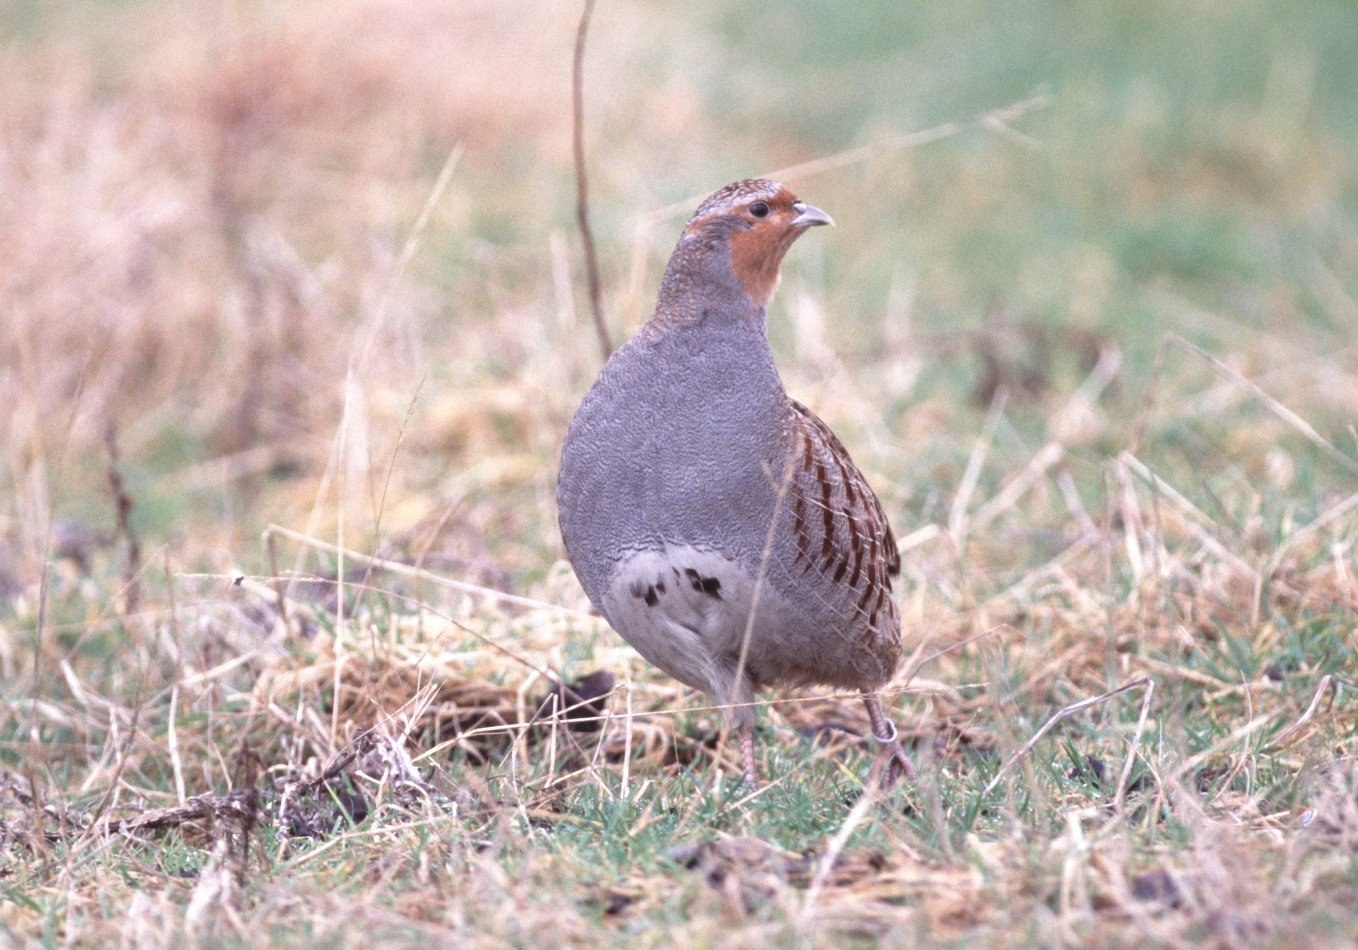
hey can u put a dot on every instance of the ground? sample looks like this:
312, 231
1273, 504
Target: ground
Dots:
294, 319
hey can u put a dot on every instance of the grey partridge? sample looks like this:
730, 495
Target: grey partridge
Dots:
717, 524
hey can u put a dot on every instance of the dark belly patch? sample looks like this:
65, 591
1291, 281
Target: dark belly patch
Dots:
651, 592
648, 592
706, 585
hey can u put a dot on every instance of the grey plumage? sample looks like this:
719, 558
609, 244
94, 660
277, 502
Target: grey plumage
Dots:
718, 525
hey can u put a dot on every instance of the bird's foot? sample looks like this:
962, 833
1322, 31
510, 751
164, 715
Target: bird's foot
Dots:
751, 767
892, 760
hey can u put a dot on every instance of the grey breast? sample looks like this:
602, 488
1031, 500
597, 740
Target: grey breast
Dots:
675, 443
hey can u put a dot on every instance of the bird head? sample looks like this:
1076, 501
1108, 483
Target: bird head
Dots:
755, 221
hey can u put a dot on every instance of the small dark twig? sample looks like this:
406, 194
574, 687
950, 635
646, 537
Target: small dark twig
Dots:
123, 503
582, 183
250, 765
360, 746
240, 805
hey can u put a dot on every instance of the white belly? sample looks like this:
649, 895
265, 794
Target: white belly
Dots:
687, 611
691, 612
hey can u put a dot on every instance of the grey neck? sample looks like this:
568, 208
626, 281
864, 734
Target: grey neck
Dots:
699, 285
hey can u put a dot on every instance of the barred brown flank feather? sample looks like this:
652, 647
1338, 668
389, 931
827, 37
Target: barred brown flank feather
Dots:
873, 554
867, 595
848, 483
857, 555
860, 503
865, 551
843, 567
827, 513
838, 454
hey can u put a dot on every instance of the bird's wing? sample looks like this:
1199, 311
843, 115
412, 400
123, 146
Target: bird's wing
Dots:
841, 530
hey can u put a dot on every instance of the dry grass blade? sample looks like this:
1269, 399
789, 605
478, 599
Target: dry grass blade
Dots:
957, 516
1325, 519
1007, 497
833, 850
1198, 522
1326, 683
373, 325
1120, 798
406, 570
351, 836
1238, 734
1066, 712
1273, 405
1007, 114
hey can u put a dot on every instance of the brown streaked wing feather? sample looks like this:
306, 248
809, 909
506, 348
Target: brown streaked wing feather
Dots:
853, 528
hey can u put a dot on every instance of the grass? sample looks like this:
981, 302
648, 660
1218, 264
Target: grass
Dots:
1098, 361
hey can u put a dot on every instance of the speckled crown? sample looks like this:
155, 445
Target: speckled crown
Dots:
734, 192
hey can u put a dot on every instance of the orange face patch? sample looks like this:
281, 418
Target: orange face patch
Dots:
757, 253
767, 211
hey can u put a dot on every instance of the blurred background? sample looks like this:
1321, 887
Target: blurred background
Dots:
210, 260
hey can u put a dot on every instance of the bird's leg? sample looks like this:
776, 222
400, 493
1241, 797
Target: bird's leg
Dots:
746, 734
892, 756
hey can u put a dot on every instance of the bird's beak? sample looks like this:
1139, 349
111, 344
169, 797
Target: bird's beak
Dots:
809, 216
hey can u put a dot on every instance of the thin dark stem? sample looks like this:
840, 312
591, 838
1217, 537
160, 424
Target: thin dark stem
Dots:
122, 502
582, 184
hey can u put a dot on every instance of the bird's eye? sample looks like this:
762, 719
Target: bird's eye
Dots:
760, 209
